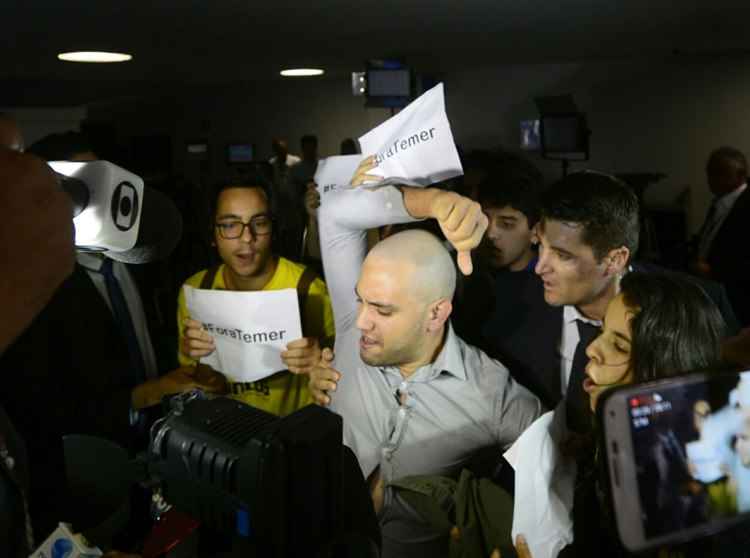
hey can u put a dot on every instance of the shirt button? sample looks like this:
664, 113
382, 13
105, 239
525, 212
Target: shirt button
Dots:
389, 205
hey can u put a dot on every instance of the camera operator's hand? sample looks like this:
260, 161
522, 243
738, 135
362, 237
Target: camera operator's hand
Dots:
522, 548
361, 176
36, 231
196, 341
301, 355
312, 199
323, 378
179, 380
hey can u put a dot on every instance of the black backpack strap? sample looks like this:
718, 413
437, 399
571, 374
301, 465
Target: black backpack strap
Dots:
208, 279
303, 287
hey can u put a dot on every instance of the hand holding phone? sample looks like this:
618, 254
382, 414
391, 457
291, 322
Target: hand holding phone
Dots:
678, 456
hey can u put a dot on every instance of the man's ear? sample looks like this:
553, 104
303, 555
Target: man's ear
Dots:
534, 235
438, 314
617, 260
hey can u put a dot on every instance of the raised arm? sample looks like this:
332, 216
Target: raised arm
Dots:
347, 214
343, 221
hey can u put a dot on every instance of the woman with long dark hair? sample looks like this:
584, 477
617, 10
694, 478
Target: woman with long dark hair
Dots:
659, 325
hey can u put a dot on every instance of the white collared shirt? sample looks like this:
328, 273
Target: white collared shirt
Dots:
92, 263
569, 341
723, 205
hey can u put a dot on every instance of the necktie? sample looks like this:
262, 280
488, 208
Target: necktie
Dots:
709, 218
704, 236
577, 403
124, 321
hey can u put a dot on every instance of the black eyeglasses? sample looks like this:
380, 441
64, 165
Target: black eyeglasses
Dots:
260, 225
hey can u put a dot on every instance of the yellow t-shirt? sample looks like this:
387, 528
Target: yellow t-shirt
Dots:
284, 392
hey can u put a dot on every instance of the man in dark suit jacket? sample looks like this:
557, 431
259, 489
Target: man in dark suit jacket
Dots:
587, 234
588, 231
722, 254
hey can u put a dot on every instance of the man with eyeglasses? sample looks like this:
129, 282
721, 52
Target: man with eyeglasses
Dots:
243, 230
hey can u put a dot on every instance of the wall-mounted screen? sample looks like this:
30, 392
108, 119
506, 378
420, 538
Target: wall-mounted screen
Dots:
240, 152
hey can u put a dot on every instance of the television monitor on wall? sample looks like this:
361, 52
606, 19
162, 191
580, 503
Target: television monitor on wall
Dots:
240, 152
564, 136
389, 84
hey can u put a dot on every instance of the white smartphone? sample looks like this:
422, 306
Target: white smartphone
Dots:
678, 457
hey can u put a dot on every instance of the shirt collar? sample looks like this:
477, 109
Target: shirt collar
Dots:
727, 200
449, 360
571, 315
90, 260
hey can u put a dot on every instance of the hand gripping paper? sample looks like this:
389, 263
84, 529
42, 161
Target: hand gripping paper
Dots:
250, 329
416, 145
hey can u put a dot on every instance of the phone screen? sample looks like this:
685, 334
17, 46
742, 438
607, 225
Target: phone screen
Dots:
691, 447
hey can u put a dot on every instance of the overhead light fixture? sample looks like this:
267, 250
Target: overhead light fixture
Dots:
302, 72
94, 56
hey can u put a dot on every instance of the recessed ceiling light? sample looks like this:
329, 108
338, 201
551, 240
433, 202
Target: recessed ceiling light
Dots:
302, 72
94, 56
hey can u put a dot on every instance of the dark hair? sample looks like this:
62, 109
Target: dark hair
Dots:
676, 327
309, 138
726, 153
511, 181
253, 178
605, 207
60, 147
349, 147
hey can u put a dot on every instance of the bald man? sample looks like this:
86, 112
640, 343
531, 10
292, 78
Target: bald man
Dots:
414, 397
10, 133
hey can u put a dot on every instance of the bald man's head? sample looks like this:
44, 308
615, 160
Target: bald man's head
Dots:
10, 133
432, 274
404, 293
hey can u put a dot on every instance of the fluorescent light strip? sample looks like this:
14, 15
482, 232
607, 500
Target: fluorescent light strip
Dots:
302, 72
94, 56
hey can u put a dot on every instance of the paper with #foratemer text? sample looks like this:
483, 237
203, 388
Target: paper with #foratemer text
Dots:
250, 329
416, 145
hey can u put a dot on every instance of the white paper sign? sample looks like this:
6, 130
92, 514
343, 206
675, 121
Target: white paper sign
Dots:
706, 459
416, 144
544, 486
250, 329
335, 172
